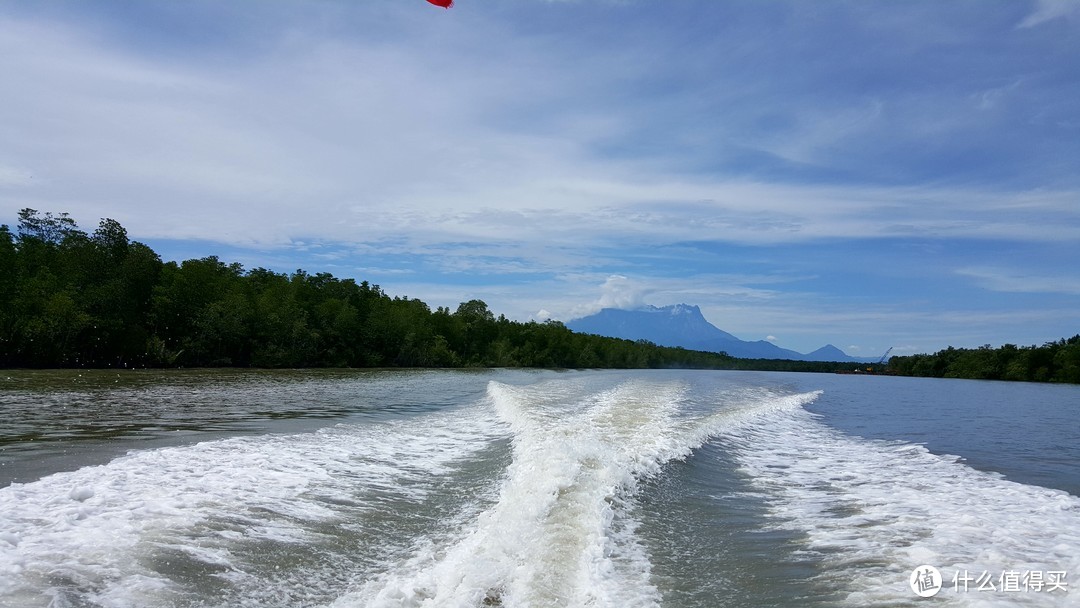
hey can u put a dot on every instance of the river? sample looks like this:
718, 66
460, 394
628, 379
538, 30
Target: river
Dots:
510, 488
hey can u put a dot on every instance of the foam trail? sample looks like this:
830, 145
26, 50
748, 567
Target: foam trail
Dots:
874, 510
561, 531
97, 536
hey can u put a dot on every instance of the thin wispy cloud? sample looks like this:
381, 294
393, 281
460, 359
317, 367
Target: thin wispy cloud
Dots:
1017, 281
1048, 10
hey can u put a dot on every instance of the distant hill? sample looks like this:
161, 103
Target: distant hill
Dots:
830, 353
683, 325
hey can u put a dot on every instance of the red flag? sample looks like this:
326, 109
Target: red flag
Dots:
442, 3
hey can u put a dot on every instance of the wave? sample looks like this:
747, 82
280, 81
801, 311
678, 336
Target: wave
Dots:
225, 516
871, 511
562, 531
531, 496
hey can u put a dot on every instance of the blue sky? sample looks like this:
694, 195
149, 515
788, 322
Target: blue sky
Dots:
865, 173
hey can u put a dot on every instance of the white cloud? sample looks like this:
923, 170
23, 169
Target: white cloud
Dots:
571, 295
385, 271
352, 141
486, 151
1015, 281
1046, 10
15, 176
620, 292
820, 129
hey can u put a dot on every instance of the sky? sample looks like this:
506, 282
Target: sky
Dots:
865, 173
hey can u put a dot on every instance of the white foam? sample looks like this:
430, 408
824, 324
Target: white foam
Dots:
551, 538
875, 510
92, 534
556, 527
562, 530
81, 494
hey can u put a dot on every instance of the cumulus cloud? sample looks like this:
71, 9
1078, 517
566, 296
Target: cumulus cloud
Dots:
621, 292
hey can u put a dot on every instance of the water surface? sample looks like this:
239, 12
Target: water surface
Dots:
529, 488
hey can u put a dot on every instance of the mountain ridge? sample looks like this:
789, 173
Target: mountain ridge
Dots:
684, 325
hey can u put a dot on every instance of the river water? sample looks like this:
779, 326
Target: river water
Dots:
514, 488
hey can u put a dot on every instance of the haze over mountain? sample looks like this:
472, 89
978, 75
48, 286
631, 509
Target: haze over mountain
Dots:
684, 325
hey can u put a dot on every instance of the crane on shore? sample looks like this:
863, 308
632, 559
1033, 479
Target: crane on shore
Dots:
884, 357
876, 368
871, 368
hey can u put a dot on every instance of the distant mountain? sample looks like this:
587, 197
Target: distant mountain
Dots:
683, 325
666, 326
829, 353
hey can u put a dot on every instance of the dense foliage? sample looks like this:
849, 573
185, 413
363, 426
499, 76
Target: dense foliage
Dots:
71, 299
1052, 362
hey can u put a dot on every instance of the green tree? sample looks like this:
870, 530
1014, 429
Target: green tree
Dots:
9, 279
182, 317
1067, 361
478, 330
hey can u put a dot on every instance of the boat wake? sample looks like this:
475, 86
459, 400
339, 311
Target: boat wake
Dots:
541, 494
871, 511
562, 529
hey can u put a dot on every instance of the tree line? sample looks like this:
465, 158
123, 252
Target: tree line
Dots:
1052, 362
73, 299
